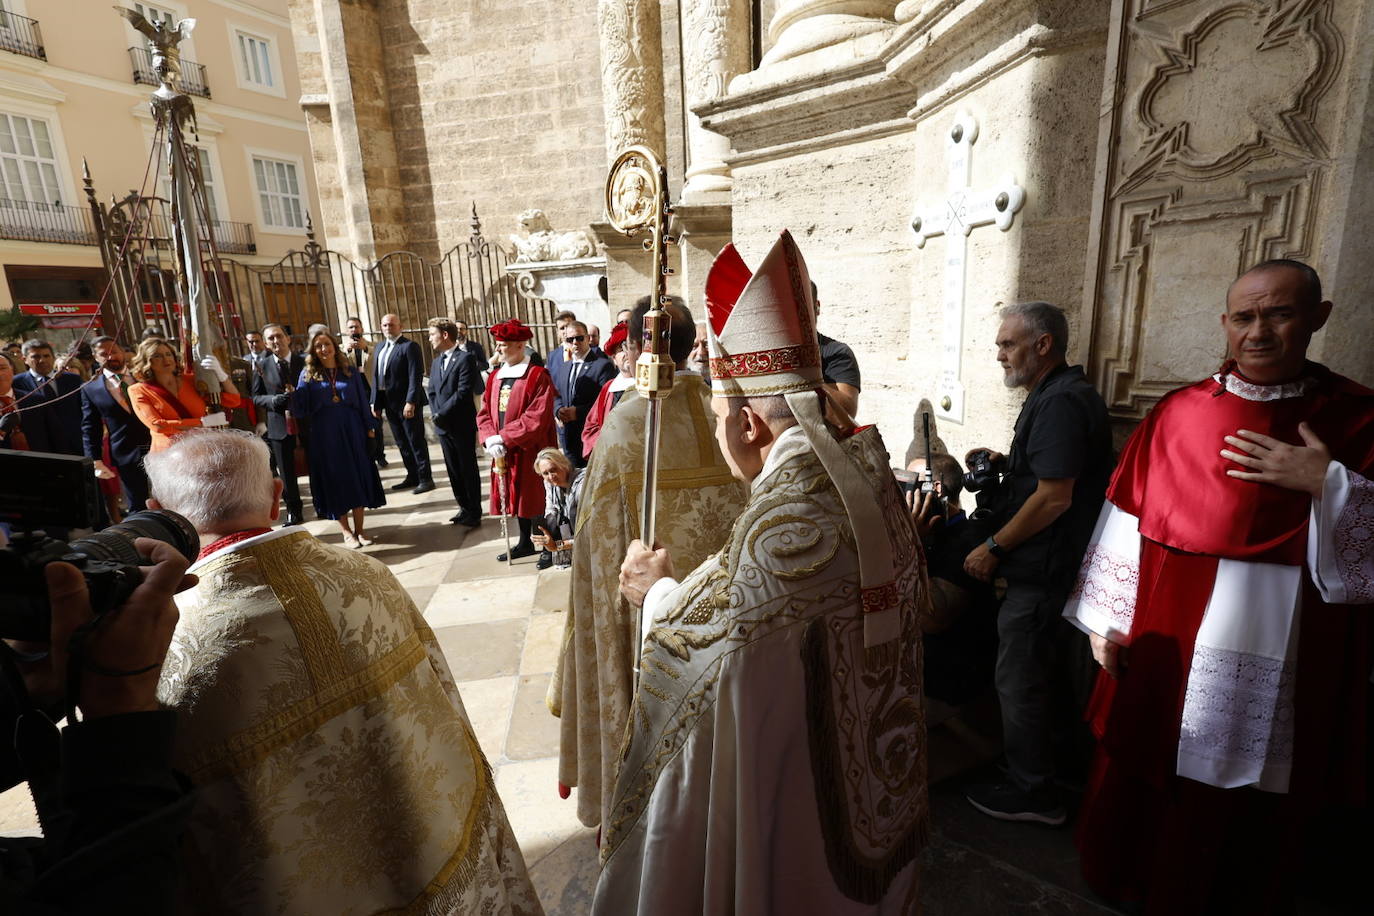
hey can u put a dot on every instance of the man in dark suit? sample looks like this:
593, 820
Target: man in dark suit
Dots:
453, 380
105, 407
50, 403
474, 351
278, 370
578, 381
397, 392
554, 361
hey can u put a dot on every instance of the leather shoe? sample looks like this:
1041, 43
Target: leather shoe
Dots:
292, 518
383, 463
424, 487
519, 551
404, 485
468, 521
545, 560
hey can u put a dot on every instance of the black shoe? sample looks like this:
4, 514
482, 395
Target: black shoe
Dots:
383, 463
405, 484
520, 551
469, 521
424, 487
292, 518
1008, 803
545, 560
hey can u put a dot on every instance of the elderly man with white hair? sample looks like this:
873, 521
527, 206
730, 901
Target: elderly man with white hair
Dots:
337, 768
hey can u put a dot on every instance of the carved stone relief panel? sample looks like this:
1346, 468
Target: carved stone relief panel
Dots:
1224, 115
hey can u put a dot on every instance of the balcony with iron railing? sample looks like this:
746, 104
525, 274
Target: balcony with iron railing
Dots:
21, 35
192, 74
38, 222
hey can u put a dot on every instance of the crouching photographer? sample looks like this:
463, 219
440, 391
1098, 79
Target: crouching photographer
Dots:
88, 635
1047, 493
961, 632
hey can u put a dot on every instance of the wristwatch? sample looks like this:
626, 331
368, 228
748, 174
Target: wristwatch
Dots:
996, 549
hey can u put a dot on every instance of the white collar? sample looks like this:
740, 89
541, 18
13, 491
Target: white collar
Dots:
516, 371
112, 376
1251, 391
621, 382
775, 453
249, 542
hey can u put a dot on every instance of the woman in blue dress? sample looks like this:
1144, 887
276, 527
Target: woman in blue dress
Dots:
333, 401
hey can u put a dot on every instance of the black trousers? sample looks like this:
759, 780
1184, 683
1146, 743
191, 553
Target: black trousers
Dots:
410, 441
284, 466
135, 482
460, 458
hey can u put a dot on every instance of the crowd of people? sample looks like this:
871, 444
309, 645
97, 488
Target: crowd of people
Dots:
742, 703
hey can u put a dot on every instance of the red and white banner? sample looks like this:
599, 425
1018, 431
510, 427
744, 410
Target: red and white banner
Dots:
64, 314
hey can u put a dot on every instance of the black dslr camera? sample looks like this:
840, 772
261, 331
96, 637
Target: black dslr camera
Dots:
59, 492
983, 472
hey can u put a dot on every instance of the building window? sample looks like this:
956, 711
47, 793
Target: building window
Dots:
255, 54
279, 193
28, 168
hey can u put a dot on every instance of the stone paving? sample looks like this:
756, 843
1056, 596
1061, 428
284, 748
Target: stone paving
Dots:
500, 627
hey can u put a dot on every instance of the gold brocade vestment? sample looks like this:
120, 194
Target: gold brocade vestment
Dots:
336, 769
775, 764
698, 500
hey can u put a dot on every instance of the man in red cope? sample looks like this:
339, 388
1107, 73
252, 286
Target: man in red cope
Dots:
516, 421
1221, 593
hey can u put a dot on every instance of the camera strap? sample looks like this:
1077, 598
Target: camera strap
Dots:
77, 663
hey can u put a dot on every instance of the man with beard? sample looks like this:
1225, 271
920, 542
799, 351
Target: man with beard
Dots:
105, 408
278, 372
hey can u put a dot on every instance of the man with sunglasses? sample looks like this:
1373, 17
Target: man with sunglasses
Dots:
578, 380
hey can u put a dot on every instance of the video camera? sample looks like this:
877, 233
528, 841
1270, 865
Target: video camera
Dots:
43, 491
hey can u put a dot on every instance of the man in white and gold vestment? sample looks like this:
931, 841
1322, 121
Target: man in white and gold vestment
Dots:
698, 501
775, 758
336, 768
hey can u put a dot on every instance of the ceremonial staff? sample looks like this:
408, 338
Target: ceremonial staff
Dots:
173, 113
503, 491
637, 201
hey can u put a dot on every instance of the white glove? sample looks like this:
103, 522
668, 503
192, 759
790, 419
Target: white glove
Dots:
214, 419
493, 440
211, 364
496, 451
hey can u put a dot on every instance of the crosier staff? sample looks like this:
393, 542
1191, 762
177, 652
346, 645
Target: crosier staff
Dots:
637, 201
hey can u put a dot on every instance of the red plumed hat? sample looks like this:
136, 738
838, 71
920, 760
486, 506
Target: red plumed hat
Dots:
618, 335
511, 329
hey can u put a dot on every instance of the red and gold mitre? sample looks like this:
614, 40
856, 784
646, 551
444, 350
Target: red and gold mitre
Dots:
511, 329
761, 325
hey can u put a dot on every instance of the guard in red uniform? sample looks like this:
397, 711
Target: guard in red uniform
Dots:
516, 421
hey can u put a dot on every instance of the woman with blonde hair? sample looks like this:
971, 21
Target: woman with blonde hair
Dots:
332, 402
166, 400
562, 492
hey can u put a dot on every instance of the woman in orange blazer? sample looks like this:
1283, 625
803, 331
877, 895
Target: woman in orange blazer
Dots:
166, 399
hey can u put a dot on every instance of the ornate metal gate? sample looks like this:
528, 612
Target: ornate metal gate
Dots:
311, 285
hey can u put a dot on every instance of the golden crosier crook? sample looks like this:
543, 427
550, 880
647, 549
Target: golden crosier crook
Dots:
637, 201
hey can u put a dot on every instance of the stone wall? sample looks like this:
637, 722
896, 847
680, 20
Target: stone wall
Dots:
497, 103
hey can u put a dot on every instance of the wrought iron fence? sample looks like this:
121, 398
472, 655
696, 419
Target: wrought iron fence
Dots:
21, 35
39, 222
192, 81
316, 285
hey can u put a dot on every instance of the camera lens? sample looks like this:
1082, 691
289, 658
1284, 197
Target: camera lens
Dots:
116, 543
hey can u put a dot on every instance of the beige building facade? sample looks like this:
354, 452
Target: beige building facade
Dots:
75, 80
936, 159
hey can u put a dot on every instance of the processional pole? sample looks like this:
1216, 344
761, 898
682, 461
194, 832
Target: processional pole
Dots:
637, 201
173, 113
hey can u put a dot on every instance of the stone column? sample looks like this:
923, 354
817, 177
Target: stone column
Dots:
800, 26
715, 39
631, 74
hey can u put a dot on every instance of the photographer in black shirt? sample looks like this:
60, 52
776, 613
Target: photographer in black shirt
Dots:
111, 808
1051, 492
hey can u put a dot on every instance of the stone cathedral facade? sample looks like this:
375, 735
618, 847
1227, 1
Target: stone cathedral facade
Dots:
936, 159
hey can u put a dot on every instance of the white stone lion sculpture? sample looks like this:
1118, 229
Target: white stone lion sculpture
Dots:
538, 242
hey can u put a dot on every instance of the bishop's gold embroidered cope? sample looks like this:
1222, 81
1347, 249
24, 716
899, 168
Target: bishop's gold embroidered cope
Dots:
698, 500
335, 765
775, 764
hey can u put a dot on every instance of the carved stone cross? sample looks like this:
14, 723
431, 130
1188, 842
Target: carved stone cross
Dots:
962, 211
